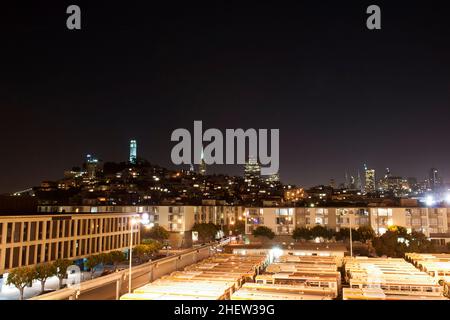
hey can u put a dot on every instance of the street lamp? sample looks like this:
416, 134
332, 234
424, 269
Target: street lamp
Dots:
351, 240
144, 220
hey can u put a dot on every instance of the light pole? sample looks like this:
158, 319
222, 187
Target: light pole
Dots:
145, 221
351, 240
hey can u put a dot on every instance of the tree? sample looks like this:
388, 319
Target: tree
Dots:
61, 266
418, 242
92, 262
206, 231
104, 258
144, 251
42, 272
20, 278
154, 243
344, 234
401, 231
263, 231
392, 243
236, 229
302, 233
366, 233
319, 231
239, 227
117, 257
156, 233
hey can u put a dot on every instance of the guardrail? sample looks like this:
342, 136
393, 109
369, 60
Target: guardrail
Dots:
152, 269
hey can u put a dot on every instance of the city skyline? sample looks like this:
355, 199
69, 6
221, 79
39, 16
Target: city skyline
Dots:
341, 95
350, 177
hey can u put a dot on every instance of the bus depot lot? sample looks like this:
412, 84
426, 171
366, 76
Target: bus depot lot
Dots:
288, 277
389, 279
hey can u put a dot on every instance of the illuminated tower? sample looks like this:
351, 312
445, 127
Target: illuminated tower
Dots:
434, 180
133, 151
202, 166
91, 166
370, 180
252, 171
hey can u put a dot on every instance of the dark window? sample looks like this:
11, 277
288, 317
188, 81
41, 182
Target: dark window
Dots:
39, 248
67, 227
24, 255
40, 229
7, 256
17, 232
47, 233
16, 252
9, 233
33, 231
25, 232
53, 251
31, 254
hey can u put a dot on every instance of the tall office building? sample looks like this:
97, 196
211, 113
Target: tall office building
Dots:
358, 182
133, 151
202, 166
433, 179
91, 166
252, 170
370, 180
384, 182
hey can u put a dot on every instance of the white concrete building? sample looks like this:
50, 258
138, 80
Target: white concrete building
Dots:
31, 239
284, 220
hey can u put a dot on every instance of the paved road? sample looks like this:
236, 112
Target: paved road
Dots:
108, 292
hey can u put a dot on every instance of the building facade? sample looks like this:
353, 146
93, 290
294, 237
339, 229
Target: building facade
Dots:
173, 218
284, 220
31, 239
370, 180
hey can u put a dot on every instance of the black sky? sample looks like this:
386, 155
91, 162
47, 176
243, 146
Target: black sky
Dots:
340, 94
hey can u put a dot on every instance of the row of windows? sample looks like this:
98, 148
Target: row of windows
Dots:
39, 230
32, 254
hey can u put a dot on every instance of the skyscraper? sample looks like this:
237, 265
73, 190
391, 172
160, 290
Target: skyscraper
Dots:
370, 180
384, 182
133, 151
252, 170
91, 166
358, 182
433, 179
202, 166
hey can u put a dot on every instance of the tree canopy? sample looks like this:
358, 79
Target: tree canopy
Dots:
396, 241
263, 231
43, 271
206, 231
20, 278
302, 233
61, 266
156, 233
321, 232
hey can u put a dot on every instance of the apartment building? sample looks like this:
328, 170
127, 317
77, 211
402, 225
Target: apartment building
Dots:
30, 239
173, 218
283, 221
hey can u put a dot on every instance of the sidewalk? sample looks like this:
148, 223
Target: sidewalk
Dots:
12, 293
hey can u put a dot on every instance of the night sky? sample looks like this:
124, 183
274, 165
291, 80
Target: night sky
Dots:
341, 95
